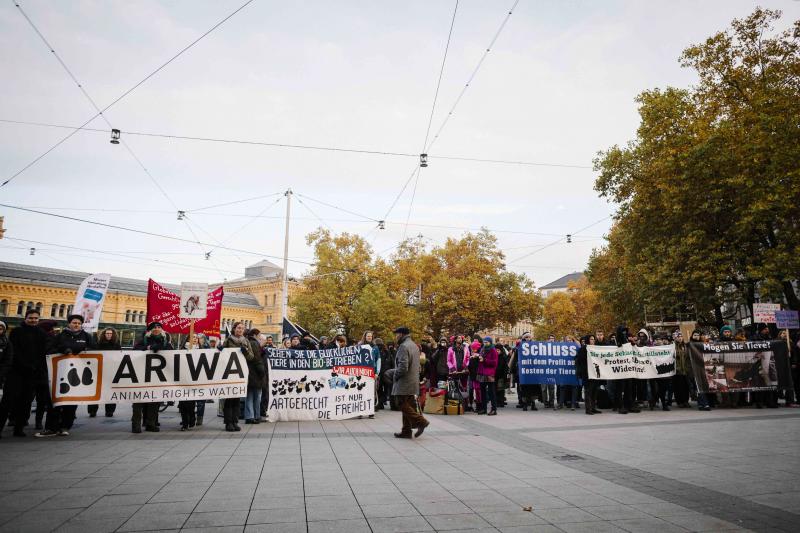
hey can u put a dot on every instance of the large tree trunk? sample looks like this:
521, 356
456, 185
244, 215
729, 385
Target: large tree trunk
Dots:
791, 296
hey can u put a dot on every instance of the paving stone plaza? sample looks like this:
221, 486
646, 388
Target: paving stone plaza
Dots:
520, 471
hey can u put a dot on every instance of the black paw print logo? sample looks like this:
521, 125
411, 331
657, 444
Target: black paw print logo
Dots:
73, 379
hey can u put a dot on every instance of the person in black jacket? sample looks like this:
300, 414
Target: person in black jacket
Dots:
582, 369
72, 340
6, 360
28, 369
107, 341
153, 341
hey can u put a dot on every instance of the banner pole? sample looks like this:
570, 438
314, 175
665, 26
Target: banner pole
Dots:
191, 333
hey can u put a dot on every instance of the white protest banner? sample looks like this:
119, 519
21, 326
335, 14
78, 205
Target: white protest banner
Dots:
628, 361
90, 298
132, 376
193, 300
765, 312
321, 384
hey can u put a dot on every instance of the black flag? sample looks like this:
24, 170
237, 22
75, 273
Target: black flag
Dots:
290, 328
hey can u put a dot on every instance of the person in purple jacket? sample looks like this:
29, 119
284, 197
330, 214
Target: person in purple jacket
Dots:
487, 367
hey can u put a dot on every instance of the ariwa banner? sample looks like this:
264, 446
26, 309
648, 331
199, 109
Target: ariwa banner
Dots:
334, 384
164, 306
547, 363
740, 366
133, 376
628, 361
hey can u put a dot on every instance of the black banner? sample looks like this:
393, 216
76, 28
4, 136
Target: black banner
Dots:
740, 366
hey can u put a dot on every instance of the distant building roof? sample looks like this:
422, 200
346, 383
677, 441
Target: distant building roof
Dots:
19, 273
563, 282
262, 269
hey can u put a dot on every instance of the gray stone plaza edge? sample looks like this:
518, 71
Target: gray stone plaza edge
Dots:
679, 471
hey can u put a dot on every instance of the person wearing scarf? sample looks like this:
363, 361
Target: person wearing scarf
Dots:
487, 366
230, 406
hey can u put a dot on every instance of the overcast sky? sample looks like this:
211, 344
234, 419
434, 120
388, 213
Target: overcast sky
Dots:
557, 87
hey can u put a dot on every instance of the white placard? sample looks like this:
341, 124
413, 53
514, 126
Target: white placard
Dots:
765, 312
90, 298
193, 300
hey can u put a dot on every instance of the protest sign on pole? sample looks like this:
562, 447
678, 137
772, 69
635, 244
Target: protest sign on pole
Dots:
132, 376
90, 298
193, 300
765, 313
740, 366
628, 361
787, 319
547, 363
334, 384
163, 306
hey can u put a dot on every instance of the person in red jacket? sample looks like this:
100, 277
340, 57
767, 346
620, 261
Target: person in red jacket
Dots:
487, 367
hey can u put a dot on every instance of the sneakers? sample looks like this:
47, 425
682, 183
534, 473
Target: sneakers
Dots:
63, 433
46, 433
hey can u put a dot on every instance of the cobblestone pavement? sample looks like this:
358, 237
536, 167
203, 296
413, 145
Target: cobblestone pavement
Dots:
539, 471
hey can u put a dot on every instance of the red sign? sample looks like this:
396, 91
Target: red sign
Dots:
163, 306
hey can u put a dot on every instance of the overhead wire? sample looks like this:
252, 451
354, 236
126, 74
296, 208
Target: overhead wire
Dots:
243, 200
298, 146
147, 233
430, 119
338, 208
106, 120
558, 240
123, 95
314, 214
472, 76
114, 254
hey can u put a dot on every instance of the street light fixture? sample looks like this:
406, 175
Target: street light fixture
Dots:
115, 133
423, 160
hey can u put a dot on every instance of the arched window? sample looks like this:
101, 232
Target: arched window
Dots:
21, 308
29, 306
141, 317
127, 315
274, 298
69, 310
3, 307
54, 310
61, 309
266, 300
39, 307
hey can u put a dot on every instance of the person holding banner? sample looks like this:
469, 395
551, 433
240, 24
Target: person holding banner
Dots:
153, 341
230, 406
405, 384
107, 340
71, 340
582, 369
255, 379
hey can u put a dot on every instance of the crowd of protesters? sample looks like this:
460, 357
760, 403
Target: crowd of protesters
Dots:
480, 369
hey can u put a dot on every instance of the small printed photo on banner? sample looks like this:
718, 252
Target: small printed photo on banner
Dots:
740, 371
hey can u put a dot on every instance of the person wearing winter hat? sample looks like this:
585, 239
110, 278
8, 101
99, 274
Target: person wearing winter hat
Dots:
728, 399
231, 405
72, 340
153, 340
487, 368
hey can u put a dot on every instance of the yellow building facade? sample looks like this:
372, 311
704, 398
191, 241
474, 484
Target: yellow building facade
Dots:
253, 299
